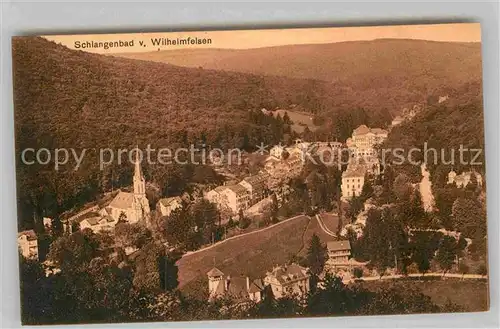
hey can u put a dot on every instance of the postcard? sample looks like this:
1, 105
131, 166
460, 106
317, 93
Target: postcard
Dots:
250, 174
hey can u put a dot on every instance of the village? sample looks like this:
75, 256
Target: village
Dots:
255, 199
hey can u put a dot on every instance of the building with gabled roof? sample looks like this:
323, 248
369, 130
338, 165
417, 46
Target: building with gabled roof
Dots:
464, 178
363, 141
353, 180
339, 253
132, 207
288, 280
239, 288
255, 185
165, 206
27, 241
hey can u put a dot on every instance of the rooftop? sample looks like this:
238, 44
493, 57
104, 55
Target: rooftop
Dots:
30, 235
338, 245
122, 200
168, 201
363, 130
237, 189
288, 273
215, 272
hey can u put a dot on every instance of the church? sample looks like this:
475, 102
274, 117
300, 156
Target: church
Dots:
129, 207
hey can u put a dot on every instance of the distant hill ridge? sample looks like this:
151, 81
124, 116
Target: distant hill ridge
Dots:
391, 73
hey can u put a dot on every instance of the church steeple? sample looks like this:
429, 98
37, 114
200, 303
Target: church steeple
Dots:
139, 181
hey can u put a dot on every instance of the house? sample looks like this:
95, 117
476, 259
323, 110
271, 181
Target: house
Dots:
353, 180
166, 205
288, 280
281, 281
397, 121
233, 197
363, 141
47, 222
255, 185
237, 197
443, 99
27, 242
338, 254
464, 178
239, 288
98, 222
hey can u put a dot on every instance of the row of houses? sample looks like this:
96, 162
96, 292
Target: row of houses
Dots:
281, 281
240, 196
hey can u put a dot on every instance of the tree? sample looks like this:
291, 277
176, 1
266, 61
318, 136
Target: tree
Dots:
356, 205
358, 272
122, 218
463, 268
69, 252
155, 269
316, 256
286, 119
424, 245
402, 188
469, 217
446, 253
367, 191
482, 269
132, 235
391, 300
274, 209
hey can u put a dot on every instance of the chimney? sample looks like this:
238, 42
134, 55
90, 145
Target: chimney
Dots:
248, 283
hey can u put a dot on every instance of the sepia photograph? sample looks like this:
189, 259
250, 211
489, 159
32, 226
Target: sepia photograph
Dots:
250, 174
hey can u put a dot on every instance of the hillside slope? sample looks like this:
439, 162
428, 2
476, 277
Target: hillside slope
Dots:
73, 99
362, 73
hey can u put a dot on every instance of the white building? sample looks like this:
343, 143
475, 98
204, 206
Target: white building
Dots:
165, 206
464, 178
338, 254
397, 121
233, 197
27, 242
353, 180
363, 141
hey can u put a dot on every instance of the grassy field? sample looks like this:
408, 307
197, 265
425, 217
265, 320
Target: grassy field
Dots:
472, 295
300, 120
312, 228
331, 221
250, 255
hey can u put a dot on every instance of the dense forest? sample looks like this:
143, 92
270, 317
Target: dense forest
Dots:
446, 126
376, 74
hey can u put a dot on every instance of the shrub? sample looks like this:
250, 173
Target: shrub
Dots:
358, 272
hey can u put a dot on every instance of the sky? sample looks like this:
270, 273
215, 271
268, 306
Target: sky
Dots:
245, 39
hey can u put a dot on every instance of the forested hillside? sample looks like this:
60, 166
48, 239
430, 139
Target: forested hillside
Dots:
445, 128
391, 73
73, 99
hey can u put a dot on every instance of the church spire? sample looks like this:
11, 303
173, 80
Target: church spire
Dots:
139, 181
137, 163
